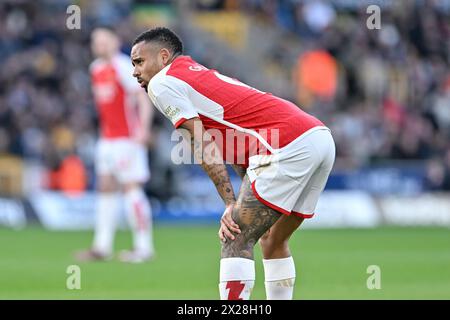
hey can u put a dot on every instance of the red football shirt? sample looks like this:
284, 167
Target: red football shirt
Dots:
250, 121
114, 91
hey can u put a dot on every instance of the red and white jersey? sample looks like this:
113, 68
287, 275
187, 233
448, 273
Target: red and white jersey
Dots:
114, 91
259, 121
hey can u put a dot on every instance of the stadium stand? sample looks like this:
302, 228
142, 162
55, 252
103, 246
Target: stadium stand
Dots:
384, 93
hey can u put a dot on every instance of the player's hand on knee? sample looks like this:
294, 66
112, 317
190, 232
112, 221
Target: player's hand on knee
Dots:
221, 233
227, 225
225, 233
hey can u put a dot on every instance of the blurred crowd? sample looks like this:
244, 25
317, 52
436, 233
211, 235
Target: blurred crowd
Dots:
47, 113
391, 100
392, 95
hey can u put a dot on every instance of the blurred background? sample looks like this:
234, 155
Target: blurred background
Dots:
385, 94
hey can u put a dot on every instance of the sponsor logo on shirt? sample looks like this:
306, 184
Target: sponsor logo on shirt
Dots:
197, 67
171, 112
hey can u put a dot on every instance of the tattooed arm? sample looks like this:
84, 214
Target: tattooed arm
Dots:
214, 166
211, 161
239, 170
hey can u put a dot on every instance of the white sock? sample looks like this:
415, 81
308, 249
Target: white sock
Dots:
105, 221
237, 277
279, 278
139, 217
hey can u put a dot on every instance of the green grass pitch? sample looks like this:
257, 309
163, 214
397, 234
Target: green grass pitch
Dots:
331, 264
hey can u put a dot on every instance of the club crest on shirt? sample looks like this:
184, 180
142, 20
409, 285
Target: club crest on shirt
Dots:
171, 112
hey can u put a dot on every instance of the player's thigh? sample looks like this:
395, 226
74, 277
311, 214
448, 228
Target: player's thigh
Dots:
104, 168
131, 165
107, 183
253, 217
129, 186
281, 231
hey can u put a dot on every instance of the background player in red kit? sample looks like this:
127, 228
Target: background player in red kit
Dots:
282, 176
125, 116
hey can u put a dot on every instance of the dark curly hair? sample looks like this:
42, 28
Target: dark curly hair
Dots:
164, 36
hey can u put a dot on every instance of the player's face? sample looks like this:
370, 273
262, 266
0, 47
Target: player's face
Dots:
148, 59
104, 43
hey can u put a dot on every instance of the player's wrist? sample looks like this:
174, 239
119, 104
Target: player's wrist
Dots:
230, 203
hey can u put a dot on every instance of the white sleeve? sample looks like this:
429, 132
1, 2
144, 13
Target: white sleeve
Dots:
173, 102
124, 70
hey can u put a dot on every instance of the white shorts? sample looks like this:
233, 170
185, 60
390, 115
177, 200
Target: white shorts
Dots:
122, 158
292, 180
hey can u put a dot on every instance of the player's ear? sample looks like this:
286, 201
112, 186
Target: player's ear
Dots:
165, 55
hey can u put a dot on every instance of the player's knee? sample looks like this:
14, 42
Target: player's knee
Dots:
239, 247
236, 217
266, 242
238, 244
271, 246
265, 236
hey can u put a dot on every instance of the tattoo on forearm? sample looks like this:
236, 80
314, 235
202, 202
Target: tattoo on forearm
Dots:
216, 170
239, 170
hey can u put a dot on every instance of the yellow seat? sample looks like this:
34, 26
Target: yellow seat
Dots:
11, 173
